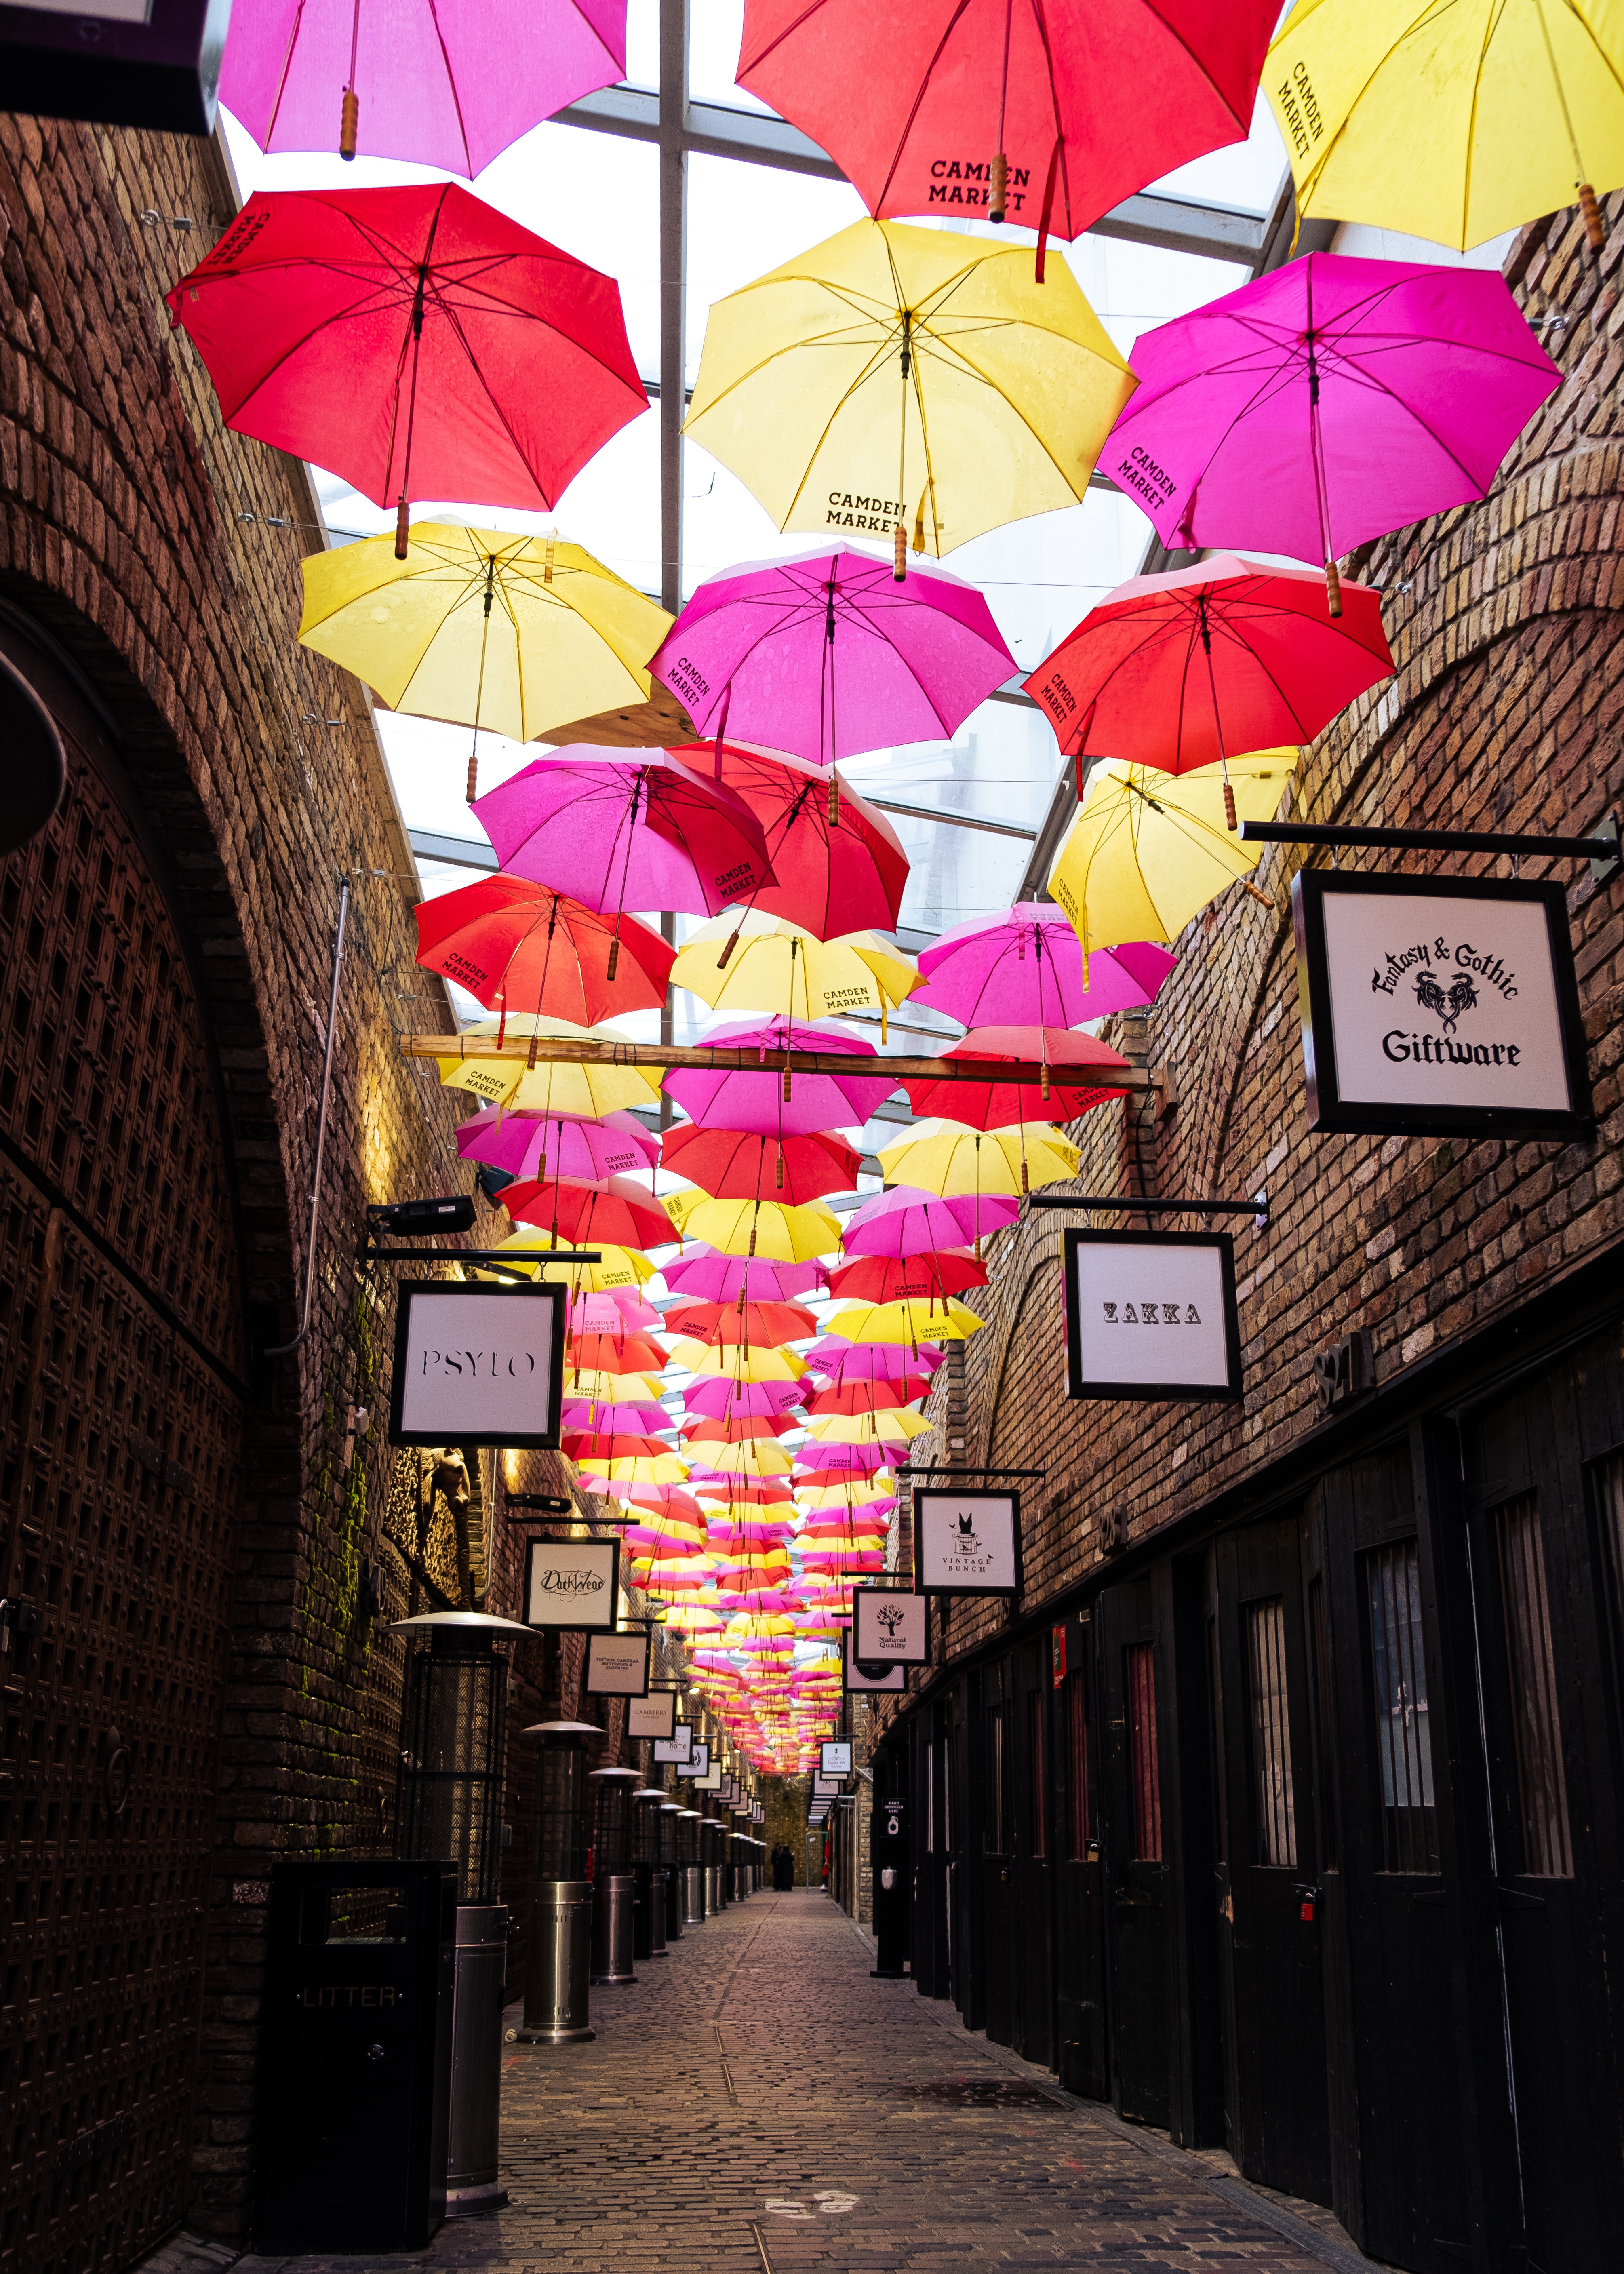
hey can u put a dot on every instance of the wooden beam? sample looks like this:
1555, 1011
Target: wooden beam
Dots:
564, 1049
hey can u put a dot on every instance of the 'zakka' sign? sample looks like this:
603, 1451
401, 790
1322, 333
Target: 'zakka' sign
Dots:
1439, 1006
1151, 1314
477, 1365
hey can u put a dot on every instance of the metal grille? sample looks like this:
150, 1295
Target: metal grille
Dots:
1144, 1756
120, 1458
1403, 1726
1542, 1785
1273, 1802
612, 1846
451, 1783
561, 1833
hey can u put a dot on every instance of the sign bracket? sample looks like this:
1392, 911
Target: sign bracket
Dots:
1604, 851
1257, 1206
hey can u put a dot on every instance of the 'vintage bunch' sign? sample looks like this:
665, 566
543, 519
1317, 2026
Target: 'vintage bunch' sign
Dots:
1439, 1006
1151, 1314
476, 1366
966, 1543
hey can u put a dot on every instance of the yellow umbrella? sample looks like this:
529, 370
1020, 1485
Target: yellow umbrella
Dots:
1452, 123
775, 966
728, 1361
764, 1228
586, 1091
621, 1267
1149, 850
611, 1389
753, 1457
895, 1424
483, 627
896, 378
646, 1469
909, 1322
944, 1157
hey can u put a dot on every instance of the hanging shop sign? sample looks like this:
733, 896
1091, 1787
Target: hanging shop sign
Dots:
1152, 1314
572, 1585
1438, 1006
834, 1757
115, 62
477, 1365
966, 1543
712, 1782
698, 1758
676, 1747
892, 1677
617, 1664
654, 1715
758, 1813
826, 1787
889, 1628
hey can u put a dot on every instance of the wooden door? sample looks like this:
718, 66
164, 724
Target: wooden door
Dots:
996, 1845
931, 1970
1031, 1859
1136, 1868
1082, 2054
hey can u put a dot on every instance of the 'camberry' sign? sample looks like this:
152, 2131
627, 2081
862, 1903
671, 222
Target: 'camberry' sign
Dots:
572, 1584
966, 1543
477, 1365
1438, 1006
1151, 1314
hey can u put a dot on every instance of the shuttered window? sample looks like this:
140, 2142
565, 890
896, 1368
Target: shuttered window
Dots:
1403, 1727
1542, 1787
1145, 1766
1274, 1805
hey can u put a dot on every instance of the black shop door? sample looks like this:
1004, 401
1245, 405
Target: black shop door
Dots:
1082, 2057
932, 1970
1266, 1877
1137, 1897
1031, 1865
996, 1795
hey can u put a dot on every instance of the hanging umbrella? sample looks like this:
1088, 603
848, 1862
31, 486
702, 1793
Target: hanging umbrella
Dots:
839, 1362
443, 83
1149, 850
1330, 402
618, 1314
415, 341
896, 378
749, 1457
706, 1429
662, 1467
936, 1273
912, 1324
528, 1144
909, 1221
707, 1276
870, 1396
839, 862
780, 1234
1044, 113
526, 1253
1025, 969
594, 1447
944, 1158
641, 833
583, 1092
736, 1364
616, 1356
615, 1211
738, 1164
1450, 122
755, 962
751, 1322
605, 1386
1076, 1076
519, 946
729, 1098
824, 655
481, 628
1229, 654
896, 1425
631, 1413
716, 1396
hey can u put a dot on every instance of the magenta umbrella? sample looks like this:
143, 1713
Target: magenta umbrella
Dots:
839, 1360
727, 1099
826, 655
560, 1144
1025, 969
816, 1454
714, 1396
634, 833
445, 83
630, 1413
702, 1275
616, 1311
1332, 401
908, 1220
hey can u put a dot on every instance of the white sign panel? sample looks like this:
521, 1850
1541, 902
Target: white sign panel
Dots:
654, 1716
476, 1366
677, 1747
617, 1664
571, 1583
894, 1677
1439, 1006
890, 1628
1151, 1314
966, 1543
834, 1757
698, 1759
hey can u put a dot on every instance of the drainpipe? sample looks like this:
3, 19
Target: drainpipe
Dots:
286, 1350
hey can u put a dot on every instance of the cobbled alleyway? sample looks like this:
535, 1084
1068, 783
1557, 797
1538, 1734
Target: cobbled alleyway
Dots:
758, 2104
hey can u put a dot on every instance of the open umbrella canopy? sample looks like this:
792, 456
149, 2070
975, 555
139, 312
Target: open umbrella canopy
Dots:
730, 1098
885, 1425
526, 1253
853, 1398
766, 1228
413, 340
626, 833
1149, 850
705, 1275
735, 1364
838, 1362
825, 654
839, 865
597, 1357
592, 1412
1076, 1067
895, 379
907, 1220
1082, 100
738, 1164
936, 1273
756, 962
1229, 654
445, 83
748, 1456
530, 1144
910, 1322
1025, 969
607, 1386
716, 1395
520, 946
583, 1092
944, 1158
705, 1429
615, 1211
1449, 122
593, 1447
618, 1314
1330, 402
751, 1322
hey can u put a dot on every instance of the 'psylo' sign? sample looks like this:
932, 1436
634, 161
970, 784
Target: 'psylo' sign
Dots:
477, 1365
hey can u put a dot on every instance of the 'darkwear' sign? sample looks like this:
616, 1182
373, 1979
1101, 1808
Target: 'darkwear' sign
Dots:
1151, 1314
889, 1628
617, 1664
1438, 1006
572, 1584
477, 1365
966, 1543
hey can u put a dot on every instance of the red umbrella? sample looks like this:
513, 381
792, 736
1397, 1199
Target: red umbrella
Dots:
939, 1272
870, 1396
1228, 655
613, 1353
704, 1429
764, 1324
838, 863
517, 946
592, 1446
615, 1211
415, 341
995, 1105
735, 1165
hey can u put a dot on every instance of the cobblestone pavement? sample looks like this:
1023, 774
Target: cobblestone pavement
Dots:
756, 2104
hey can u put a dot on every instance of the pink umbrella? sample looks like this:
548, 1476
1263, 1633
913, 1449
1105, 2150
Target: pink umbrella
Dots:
826, 655
724, 1099
634, 833
906, 1221
1025, 969
713, 1396
705, 1276
562, 1144
839, 1360
616, 1311
633, 1413
445, 83
816, 1454
1332, 401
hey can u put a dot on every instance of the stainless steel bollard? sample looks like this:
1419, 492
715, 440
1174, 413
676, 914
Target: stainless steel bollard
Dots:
613, 1901
476, 2060
561, 1950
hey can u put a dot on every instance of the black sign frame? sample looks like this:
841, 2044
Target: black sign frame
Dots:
589, 1688
161, 71
1162, 1392
1329, 1112
546, 1441
538, 1544
926, 1493
843, 1744
857, 1684
656, 1694
683, 1729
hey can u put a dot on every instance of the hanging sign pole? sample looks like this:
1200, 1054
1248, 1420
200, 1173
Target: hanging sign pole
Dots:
1604, 851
